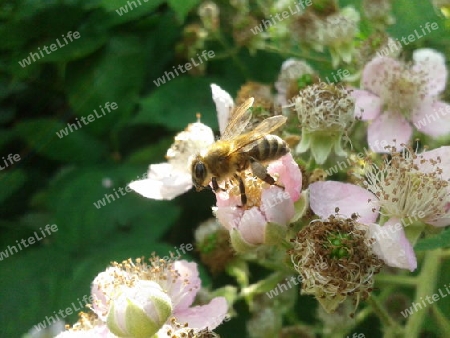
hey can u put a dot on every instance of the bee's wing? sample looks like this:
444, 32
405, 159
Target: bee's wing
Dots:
266, 126
238, 121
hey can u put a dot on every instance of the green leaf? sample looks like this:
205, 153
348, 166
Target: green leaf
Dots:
109, 212
114, 75
176, 103
182, 8
6, 136
26, 293
77, 146
418, 15
11, 181
442, 240
125, 11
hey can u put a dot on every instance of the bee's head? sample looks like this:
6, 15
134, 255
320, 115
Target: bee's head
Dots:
199, 173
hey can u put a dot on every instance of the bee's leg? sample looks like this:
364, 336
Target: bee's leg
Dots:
241, 189
215, 185
260, 171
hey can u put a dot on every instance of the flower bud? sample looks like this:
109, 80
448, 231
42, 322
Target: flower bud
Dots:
139, 311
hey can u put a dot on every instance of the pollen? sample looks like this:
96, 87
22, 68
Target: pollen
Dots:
325, 107
253, 189
403, 90
404, 191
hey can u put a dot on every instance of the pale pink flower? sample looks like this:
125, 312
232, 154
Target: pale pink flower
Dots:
178, 280
100, 331
391, 244
265, 203
51, 331
397, 94
408, 189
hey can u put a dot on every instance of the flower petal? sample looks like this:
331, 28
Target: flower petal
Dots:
227, 211
367, 105
103, 290
163, 182
229, 217
224, 104
377, 72
385, 129
289, 175
184, 289
392, 246
204, 316
443, 153
253, 226
277, 205
431, 64
325, 197
432, 118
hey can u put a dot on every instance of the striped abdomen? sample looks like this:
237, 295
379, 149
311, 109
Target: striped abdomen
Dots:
269, 148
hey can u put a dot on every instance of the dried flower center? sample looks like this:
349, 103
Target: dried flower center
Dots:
335, 258
327, 108
403, 190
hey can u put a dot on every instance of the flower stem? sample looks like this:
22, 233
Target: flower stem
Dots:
233, 54
442, 322
395, 279
384, 316
426, 284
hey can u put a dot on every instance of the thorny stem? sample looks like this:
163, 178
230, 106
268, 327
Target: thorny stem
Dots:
236, 60
272, 48
367, 311
425, 287
384, 316
440, 319
265, 285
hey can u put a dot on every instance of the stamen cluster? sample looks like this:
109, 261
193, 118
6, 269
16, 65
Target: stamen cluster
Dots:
335, 259
404, 190
325, 107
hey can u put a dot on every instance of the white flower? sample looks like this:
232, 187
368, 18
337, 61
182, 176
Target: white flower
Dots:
51, 331
224, 105
165, 181
168, 180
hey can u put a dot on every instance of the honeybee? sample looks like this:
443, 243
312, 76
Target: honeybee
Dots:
238, 150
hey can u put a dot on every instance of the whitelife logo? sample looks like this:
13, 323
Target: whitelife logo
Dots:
53, 47
435, 116
187, 66
418, 306
90, 118
49, 229
124, 9
50, 320
11, 158
396, 45
266, 23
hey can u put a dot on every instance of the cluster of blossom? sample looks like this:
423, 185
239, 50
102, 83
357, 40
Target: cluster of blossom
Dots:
353, 228
154, 299
405, 185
